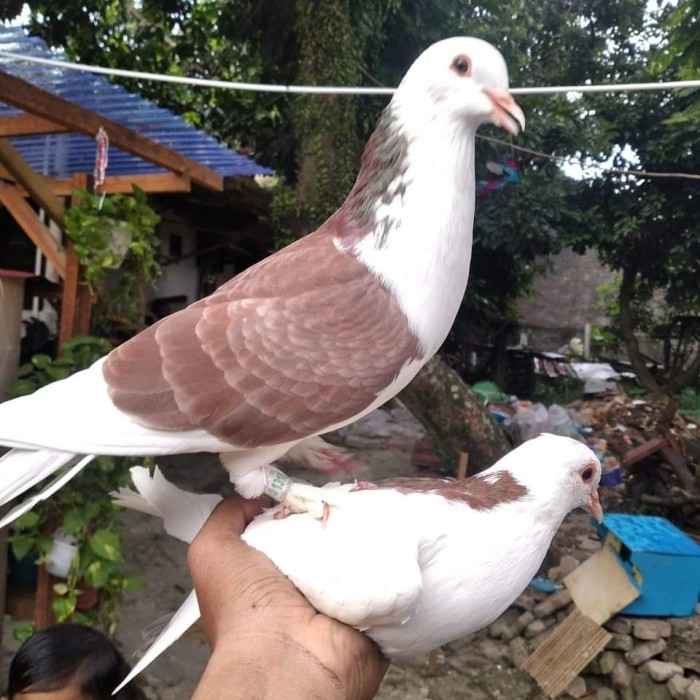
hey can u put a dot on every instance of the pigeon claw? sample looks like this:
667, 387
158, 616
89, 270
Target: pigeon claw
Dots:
297, 503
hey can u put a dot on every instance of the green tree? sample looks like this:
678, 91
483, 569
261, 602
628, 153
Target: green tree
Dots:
647, 228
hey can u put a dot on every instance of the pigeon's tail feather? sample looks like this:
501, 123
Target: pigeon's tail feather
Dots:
21, 469
180, 622
183, 513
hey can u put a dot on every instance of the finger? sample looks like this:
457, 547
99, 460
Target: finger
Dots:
232, 516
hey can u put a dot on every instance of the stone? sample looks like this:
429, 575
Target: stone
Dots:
621, 675
645, 651
566, 565
682, 655
651, 630
516, 628
539, 639
519, 651
608, 660
524, 602
661, 671
554, 602
676, 686
593, 668
645, 688
620, 642
627, 694
588, 544
508, 618
692, 692
577, 688
605, 694
619, 625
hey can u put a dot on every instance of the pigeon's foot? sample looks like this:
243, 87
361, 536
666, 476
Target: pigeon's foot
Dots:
296, 497
294, 503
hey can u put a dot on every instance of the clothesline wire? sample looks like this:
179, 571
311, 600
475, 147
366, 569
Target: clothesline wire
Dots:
318, 89
569, 159
330, 89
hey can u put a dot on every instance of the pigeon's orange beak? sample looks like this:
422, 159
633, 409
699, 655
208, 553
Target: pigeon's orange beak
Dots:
506, 112
594, 507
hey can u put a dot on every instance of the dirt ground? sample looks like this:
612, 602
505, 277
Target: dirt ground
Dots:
474, 668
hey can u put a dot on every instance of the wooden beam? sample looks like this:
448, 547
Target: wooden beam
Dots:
27, 218
75, 300
32, 181
28, 125
24, 95
156, 183
152, 184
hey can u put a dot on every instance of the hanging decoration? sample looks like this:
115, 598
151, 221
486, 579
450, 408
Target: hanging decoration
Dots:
101, 160
508, 172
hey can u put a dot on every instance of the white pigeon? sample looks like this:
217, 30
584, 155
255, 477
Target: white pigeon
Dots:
311, 338
413, 562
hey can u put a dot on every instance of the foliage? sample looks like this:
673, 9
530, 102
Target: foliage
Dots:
311, 141
94, 224
561, 391
77, 353
689, 402
81, 510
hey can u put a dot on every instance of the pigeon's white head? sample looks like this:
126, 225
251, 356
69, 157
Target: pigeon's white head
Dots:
559, 474
462, 79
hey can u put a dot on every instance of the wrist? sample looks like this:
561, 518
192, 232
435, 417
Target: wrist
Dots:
258, 667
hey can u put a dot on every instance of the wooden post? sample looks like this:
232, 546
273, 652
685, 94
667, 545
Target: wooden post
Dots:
76, 301
463, 466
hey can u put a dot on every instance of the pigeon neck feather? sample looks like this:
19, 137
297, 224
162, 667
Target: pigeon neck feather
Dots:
414, 203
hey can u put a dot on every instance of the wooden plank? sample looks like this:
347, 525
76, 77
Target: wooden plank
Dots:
121, 184
571, 646
75, 300
32, 99
28, 125
32, 181
646, 449
27, 218
600, 587
156, 183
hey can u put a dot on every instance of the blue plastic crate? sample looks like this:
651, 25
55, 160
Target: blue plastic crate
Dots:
660, 560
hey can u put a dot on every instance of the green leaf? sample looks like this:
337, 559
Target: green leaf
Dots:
73, 521
28, 520
23, 631
97, 574
107, 545
132, 582
60, 589
64, 607
21, 546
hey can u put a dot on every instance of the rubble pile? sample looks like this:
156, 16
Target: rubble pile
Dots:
658, 449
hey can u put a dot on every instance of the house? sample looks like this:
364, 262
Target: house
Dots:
214, 216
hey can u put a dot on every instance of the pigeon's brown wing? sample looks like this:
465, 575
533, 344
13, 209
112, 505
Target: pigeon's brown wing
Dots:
301, 341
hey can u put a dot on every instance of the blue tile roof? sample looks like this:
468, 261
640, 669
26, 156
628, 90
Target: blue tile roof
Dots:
62, 155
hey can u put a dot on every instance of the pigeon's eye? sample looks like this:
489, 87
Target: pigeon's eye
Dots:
461, 65
587, 474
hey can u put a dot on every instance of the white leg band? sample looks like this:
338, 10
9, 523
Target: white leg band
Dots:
278, 484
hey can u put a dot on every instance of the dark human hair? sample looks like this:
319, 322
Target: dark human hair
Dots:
59, 655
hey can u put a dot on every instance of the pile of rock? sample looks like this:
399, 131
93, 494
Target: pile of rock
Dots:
650, 659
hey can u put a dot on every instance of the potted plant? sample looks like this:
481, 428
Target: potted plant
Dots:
115, 232
77, 533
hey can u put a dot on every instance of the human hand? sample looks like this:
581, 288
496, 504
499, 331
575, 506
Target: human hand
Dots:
267, 640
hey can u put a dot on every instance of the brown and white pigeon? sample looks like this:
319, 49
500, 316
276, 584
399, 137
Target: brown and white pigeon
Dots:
413, 562
311, 338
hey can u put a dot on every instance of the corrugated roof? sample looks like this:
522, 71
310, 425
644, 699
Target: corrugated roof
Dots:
61, 155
